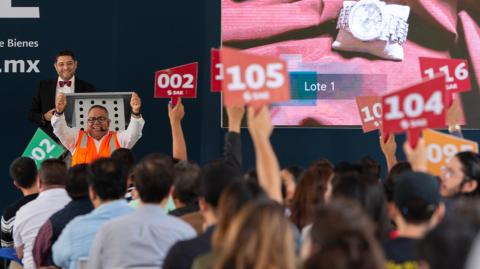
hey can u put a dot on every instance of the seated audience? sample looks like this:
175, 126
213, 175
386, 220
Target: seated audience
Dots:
77, 188
461, 176
222, 218
185, 188
350, 182
448, 245
148, 233
30, 217
252, 239
310, 192
214, 177
128, 160
342, 236
291, 176
234, 197
417, 209
23, 171
106, 188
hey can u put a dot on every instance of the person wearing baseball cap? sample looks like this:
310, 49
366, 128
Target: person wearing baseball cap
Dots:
417, 208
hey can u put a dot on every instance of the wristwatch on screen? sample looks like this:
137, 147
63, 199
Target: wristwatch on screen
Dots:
370, 20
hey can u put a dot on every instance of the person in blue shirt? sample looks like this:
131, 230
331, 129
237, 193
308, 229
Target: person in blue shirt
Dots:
107, 186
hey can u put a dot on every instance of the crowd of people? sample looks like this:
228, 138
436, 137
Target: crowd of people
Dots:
113, 213
98, 207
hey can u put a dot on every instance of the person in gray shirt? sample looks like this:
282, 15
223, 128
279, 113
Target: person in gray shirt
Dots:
144, 237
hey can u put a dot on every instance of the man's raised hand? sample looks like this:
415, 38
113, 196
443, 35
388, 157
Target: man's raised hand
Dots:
60, 102
135, 103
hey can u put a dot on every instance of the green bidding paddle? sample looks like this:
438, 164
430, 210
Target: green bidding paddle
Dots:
42, 147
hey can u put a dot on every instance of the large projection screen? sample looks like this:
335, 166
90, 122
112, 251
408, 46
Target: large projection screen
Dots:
302, 32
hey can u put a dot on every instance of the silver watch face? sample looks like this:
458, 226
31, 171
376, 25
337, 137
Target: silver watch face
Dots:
366, 20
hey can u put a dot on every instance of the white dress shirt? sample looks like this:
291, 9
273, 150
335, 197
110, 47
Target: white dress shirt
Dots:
141, 238
32, 216
68, 135
65, 88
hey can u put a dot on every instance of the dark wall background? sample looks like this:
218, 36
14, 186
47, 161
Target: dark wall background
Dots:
119, 46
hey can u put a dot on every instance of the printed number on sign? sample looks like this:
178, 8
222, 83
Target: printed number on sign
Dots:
175, 81
256, 77
219, 66
413, 105
39, 154
377, 112
436, 153
461, 72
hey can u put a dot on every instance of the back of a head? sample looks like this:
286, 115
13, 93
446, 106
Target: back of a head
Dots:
370, 168
125, 156
395, 171
233, 198
24, 172
368, 194
471, 168
253, 241
53, 172
185, 181
417, 196
342, 237
214, 177
76, 183
448, 244
346, 169
310, 192
153, 178
107, 179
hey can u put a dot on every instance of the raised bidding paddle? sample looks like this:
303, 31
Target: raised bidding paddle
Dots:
370, 111
442, 147
253, 80
216, 71
42, 147
457, 78
414, 108
175, 82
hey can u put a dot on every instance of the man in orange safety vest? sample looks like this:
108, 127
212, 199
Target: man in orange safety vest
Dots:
96, 141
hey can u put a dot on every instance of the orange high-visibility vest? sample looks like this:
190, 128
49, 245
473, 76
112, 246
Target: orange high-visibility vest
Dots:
86, 152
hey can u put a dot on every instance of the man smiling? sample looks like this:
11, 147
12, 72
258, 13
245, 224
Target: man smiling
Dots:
96, 141
43, 103
461, 176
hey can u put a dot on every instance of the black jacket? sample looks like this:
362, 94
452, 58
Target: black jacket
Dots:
44, 100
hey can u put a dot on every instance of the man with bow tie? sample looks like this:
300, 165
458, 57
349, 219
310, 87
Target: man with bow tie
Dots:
43, 103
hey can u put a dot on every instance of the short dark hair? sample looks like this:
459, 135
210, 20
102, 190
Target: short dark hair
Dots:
153, 177
471, 168
107, 179
24, 172
98, 106
65, 53
214, 177
76, 184
124, 155
126, 158
370, 168
185, 181
53, 172
389, 182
